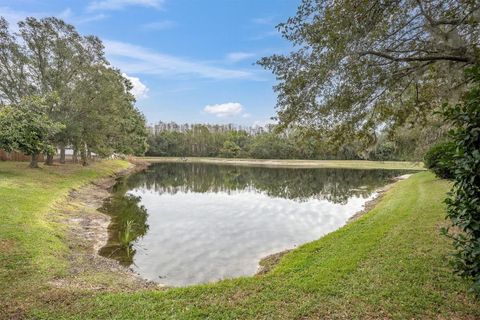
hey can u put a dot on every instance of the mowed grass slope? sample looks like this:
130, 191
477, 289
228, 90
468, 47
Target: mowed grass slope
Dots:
391, 263
32, 245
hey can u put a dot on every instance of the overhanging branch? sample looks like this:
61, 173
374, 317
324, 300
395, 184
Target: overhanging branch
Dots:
417, 58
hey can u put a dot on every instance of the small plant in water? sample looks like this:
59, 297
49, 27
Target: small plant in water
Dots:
127, 236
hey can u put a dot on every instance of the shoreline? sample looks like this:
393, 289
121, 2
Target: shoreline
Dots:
395, 248
267, 263
292, 163
88, 231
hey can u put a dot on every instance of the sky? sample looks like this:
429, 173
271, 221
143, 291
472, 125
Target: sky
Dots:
189, 60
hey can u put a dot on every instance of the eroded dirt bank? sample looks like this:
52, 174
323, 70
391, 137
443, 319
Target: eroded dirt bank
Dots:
87, 232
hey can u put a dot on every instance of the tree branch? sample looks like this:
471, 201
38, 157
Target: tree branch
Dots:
417, 58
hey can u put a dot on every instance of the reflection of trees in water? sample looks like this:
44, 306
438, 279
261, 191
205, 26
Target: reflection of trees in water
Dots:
128, 216
335, 185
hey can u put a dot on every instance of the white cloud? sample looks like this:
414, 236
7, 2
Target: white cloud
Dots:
139, 89
239, 56
14, 16
267, 34
121, 4
69, 16
224, 109
135, 59
246, 115
263, 20
159, 25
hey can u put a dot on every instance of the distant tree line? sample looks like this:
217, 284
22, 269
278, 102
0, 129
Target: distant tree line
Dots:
408, 143
57, 90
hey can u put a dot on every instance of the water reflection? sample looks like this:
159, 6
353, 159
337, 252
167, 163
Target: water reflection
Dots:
182, 223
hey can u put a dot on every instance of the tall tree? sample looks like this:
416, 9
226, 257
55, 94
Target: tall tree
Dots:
57, 56
48, 57
362, 65
14, 75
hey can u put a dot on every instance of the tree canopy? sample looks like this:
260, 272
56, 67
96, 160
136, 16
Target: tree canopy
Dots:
27, 128
294, 143
93, 103
362, 66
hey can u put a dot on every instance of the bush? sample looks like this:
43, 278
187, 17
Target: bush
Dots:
463, 204
440, 159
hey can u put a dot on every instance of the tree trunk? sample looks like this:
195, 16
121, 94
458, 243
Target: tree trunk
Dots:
62, 153
83, 156
75, 156
49, 160
34, 161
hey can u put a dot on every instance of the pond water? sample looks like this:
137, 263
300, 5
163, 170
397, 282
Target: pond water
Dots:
183, 223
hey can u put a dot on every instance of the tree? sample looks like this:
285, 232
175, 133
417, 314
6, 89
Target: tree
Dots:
48, 57
230, 149
14, 77
360, 66
27, 128
364, 66
57, 57
105, 119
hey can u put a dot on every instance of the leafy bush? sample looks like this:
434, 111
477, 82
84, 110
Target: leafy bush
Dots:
440, 159
463, 204
384, 151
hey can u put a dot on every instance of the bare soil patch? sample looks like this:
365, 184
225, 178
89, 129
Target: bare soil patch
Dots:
87, 232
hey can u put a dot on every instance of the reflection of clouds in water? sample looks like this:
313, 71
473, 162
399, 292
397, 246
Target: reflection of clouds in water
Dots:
201, 237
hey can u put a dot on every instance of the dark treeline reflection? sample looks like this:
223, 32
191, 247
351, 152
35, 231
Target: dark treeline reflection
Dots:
129, 222
335, 185
129, 217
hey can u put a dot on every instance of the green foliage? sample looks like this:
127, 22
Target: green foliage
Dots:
360, 66
440, 159
93, 103
296, 144
126, 236
463, 205
230, 149
130, 218
27, 128
384, 151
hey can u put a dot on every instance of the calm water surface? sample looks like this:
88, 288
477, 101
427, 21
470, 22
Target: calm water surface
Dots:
183, 223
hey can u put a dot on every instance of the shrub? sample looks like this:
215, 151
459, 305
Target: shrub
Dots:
463, 204
440, 159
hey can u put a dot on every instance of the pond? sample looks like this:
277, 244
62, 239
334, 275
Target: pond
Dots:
183, 223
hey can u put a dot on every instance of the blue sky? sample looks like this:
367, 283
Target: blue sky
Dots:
189, 60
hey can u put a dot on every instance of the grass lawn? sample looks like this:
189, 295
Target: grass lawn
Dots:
390, 263
32, 246
347, 164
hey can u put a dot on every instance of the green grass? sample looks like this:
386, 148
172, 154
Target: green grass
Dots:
347, 164
391, 263
32, 246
